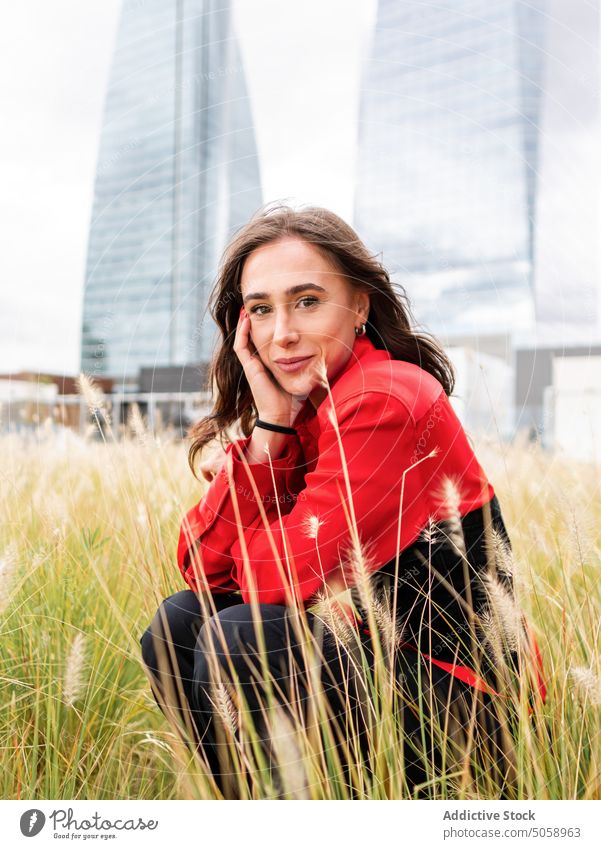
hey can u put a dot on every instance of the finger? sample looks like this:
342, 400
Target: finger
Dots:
245, 349
209, 469
241, 337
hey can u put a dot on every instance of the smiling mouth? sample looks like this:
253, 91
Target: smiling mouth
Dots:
296, 365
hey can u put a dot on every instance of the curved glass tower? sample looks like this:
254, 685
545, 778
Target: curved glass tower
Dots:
177, 173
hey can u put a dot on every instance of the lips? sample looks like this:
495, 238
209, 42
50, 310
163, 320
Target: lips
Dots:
294, 364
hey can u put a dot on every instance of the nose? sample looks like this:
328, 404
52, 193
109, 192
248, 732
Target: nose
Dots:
284, 332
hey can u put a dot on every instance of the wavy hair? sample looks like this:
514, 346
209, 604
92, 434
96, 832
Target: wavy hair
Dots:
389, 323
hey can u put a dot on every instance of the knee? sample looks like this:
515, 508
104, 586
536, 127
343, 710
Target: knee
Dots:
235, 630
148, 641
173, 622
220, 635
147, 648
229, 638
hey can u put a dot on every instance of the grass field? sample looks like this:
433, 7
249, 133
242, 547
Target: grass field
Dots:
88, 552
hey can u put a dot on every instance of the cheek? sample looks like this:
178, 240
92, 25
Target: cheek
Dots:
255, 333
338, 349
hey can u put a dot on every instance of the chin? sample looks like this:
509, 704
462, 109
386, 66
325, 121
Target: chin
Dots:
301, 386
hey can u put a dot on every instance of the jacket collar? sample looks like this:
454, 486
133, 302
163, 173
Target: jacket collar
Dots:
363, 350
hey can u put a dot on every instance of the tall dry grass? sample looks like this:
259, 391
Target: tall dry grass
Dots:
87, 553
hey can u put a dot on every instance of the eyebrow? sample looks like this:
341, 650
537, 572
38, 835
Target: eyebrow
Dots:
294, 290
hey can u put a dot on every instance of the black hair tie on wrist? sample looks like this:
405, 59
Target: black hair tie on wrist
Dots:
277, 428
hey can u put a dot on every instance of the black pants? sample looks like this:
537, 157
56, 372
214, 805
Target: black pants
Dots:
179, 642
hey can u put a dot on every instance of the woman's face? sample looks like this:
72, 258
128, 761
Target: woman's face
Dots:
300, 306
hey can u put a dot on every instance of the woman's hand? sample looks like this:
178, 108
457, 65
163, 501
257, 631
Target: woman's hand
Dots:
212, 463
273, 403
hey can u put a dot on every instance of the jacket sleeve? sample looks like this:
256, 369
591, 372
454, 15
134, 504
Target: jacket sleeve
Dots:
207, 531
290, 559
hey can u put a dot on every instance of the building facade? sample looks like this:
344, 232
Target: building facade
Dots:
177, 174
567, 266
464, 113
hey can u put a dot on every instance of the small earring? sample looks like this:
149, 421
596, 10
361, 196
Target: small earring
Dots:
360, 331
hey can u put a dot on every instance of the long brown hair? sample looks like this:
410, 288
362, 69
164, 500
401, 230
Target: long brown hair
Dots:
389, 323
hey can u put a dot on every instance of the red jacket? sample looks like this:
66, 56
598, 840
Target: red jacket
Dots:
391, 414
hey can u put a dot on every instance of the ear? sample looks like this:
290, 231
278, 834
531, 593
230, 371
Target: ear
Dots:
362, 305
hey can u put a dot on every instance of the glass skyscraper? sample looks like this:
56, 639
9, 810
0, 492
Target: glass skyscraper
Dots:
454, 96
177, 173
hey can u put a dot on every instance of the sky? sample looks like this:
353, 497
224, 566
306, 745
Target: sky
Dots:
303, 64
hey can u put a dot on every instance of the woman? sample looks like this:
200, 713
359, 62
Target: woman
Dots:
352, 463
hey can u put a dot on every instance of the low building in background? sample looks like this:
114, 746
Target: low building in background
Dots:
169, 398
29, 399
534, 380
24, 402
572, 407
483, 396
